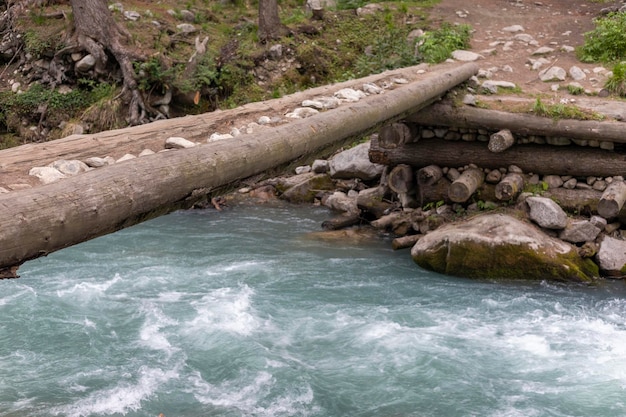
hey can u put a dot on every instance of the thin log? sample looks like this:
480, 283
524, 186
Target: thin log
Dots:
51, 217
510, 186
404, 242
341, 221
397, 134
501, 141
612, 200
544, 160
445, 114
463, 187
429, 175
400, 179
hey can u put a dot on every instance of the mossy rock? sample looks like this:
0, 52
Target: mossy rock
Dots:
498, 246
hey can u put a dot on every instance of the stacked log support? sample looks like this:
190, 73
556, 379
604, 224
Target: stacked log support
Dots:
612, 200
463, 187
510, 187
501, 141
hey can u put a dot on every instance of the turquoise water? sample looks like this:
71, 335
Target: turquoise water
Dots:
242, 313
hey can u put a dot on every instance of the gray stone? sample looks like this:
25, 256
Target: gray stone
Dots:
276, 51
553, 181
546, 213
493, 84
187, 15
131, 15
552, 74
513, 28
46, 175
186, 28
524, 37
468, 99
511, 249
86, 63
579, 231
146, 152
69, 167
577, 74
340, 201
355, 163
176, 142
598, 221
320, 166
611, 256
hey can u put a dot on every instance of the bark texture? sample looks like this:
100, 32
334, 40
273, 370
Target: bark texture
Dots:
270, 27
445, 114
97, 32
544, 160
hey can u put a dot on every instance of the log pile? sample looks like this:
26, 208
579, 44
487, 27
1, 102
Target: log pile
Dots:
466, 159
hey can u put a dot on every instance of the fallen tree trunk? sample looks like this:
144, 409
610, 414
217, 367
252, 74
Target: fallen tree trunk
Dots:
444, 114
16, 162
544, 160
51, 217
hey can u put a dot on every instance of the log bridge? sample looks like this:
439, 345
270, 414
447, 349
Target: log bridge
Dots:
37, 221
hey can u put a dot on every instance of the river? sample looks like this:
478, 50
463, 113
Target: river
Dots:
243, 313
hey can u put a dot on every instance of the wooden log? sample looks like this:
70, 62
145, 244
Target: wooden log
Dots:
400, 179
446, 114
501, 141
429, 175
612, 200
397, 134
544, 160
341, 221
36, 222
463, 187
510, 186
404, 242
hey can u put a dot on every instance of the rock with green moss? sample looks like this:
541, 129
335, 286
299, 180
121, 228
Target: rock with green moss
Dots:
499, 246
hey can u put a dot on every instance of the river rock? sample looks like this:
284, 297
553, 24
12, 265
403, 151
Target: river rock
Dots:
577, 74
86, 63
304, 187
579, 231
496, 246
302, 113
355, 163
340, 201
546, 213
611, 257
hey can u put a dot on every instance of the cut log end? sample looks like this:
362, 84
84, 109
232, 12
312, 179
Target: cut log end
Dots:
462, 189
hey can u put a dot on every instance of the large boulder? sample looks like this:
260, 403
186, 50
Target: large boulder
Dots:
612, 257
355, 163
499, 246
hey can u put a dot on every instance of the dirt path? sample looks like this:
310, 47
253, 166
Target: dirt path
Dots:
557, 24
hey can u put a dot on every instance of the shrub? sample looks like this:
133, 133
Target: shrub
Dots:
616, 84
607, 42
439, 44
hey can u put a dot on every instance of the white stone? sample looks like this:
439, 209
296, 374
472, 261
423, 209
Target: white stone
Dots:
219, 136
132, 15
513, 28
86, 63
567, 48
524, 37
370, 88
577, 74
146, 152
186, 28
264, 120
175, 142
126, 157
302, 113
543, 50
349, 95
46, 175
466, 56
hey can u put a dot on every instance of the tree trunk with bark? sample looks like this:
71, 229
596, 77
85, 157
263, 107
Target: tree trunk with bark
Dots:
545, 160
39, 221
97, 32
270, 27
445, 114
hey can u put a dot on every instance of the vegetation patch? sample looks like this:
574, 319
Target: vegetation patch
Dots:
607, 42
